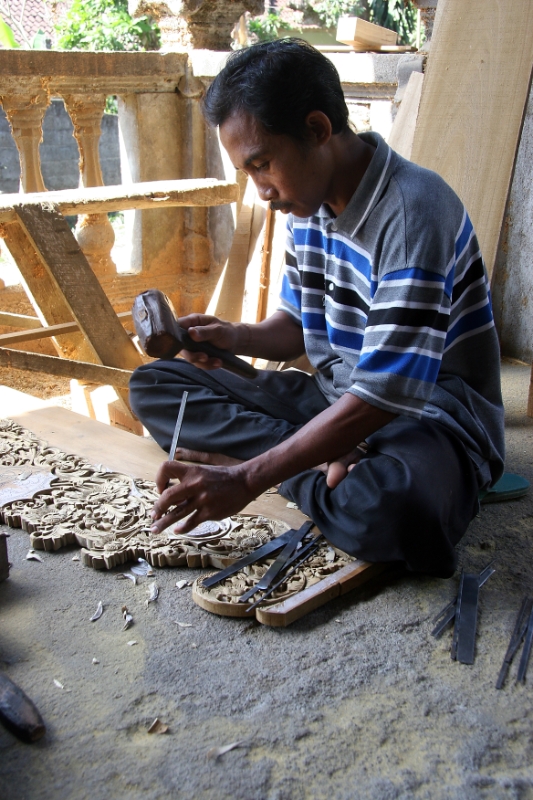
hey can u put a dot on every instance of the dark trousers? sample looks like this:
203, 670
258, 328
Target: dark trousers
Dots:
410, 498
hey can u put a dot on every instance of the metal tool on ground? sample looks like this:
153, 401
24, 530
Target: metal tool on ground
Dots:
161, 335
526, 652
177, 429
464, 632
444, 617
297, 560
262, 552
279, 564
521, 625
18, 714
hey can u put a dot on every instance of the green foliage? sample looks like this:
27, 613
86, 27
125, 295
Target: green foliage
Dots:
267, 27
105, 25
7, 37
397, 15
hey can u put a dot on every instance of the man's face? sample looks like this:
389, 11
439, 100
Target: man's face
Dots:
289, 174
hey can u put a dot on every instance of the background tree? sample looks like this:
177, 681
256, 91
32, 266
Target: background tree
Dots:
105, 25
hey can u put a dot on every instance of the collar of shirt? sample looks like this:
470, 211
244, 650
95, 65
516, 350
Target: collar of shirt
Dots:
369, 191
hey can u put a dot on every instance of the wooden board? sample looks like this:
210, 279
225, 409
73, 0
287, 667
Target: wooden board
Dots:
356, 31
473, 100
403, 129
229, 303
124, 452
350, 577
101, 199
65, 368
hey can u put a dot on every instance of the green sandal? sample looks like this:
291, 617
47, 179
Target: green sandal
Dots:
509, 487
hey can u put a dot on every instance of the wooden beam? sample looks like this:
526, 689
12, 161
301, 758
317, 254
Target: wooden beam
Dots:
44, 294
473, 101
65, 368
101, 199
63, 259
35, 333
19, 320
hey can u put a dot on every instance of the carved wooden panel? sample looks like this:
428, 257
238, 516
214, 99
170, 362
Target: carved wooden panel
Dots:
106, 513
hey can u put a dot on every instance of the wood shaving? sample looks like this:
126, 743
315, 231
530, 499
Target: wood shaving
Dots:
153, 593
128, 619
31, 555
184, 624
131, 642
58, 684
216, 752
98, 613
181, 584
95, 661
157, 726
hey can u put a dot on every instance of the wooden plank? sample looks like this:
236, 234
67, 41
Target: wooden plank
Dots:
65, 368
101, 199
42, 290
36, 332
264, 272
125, 452
403, 129
230, 299
356, 31
349, 577
473, 100
19, 320
64, 261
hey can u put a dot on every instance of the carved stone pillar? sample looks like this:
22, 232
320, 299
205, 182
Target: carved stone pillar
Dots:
195, 24
25, 114
94, 232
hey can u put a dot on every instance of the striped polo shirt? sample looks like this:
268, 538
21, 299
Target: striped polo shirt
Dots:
394, 302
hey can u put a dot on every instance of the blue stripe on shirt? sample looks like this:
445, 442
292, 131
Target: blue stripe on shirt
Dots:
409, 365
337, 248
290, 294
470, 323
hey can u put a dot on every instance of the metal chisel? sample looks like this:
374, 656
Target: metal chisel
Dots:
273, 571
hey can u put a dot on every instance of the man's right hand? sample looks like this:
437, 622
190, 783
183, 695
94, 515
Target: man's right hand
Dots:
206, 328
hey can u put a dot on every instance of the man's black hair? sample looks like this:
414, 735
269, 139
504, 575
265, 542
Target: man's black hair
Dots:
278, 83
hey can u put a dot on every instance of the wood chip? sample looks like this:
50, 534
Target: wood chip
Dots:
153, 593
31, 555
128, 618
292, 505
58, 684
157, 726
131, 642
184, 624
95, 661
216, 752
75, 558
98, 613
181, 584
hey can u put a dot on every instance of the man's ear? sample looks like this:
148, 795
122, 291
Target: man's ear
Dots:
318, 127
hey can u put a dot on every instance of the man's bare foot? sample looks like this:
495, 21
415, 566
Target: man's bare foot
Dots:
200, 457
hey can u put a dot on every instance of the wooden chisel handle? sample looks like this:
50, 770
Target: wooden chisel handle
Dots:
17, 712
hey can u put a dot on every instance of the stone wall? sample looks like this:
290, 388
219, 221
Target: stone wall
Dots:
59, 151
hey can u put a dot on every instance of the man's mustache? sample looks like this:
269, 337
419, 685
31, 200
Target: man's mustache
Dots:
278, 206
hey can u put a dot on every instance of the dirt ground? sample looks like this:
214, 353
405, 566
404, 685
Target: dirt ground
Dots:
356, 700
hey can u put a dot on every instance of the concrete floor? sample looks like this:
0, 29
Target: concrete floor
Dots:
357, 700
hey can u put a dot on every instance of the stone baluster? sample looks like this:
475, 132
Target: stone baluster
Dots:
94, 232
25, 114
196, 290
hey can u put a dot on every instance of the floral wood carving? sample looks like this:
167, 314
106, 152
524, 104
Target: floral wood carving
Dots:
107, 513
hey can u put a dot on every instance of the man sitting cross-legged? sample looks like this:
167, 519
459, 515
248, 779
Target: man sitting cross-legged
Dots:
385, 291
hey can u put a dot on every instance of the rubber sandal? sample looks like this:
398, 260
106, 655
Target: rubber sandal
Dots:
509, 487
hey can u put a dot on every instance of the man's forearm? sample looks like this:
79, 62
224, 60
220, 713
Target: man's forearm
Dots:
328, 436
278, 338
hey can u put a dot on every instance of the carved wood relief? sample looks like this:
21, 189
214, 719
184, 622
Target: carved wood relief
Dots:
106, 513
